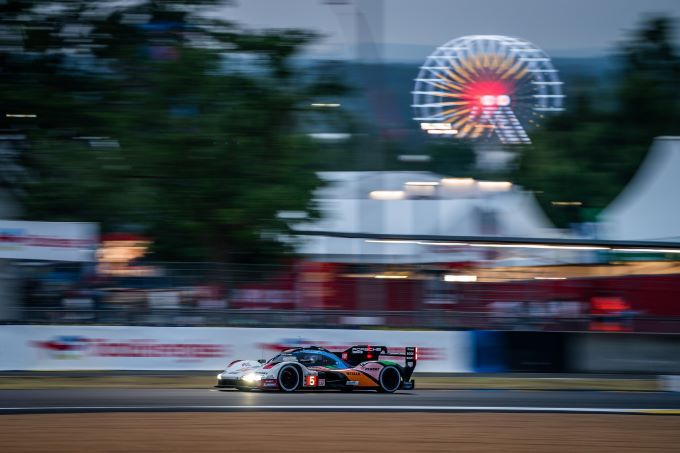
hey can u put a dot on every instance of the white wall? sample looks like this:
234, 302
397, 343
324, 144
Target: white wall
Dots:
205, 348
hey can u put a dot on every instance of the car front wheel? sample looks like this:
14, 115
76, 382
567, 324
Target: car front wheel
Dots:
289, 378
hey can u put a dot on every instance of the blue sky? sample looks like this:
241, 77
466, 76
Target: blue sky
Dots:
409, 29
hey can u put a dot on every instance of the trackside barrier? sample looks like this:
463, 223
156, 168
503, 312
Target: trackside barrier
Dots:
68, 347
624, 353
503, 351
576, 352
669, 383
29, 347
489, 351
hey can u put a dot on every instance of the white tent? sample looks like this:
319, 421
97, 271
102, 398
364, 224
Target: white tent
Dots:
417, 203
648, 208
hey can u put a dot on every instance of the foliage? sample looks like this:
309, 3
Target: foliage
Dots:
590, 152
187, 126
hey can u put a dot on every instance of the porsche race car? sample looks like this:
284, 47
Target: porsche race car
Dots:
315, 368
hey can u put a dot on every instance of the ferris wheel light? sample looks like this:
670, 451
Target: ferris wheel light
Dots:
442, 131
503, 100
435, 126
488, 100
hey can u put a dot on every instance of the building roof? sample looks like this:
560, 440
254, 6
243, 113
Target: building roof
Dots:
428, 205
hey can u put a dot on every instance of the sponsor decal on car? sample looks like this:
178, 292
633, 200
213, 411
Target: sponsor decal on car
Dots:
270, 383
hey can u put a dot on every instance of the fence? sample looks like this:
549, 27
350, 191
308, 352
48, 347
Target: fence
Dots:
328, 295
423, 319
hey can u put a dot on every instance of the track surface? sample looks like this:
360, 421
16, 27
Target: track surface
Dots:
119, 400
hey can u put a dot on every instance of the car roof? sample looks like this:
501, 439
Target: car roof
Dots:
307, 348
317, 350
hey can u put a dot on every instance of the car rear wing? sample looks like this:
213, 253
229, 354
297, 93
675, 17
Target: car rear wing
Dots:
362, 353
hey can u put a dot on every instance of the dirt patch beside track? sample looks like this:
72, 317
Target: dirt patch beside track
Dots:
347, 431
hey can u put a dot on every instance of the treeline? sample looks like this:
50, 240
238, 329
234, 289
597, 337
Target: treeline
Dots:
158, 118
591, 151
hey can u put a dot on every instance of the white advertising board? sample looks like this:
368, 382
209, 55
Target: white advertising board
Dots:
52, 241
206, 348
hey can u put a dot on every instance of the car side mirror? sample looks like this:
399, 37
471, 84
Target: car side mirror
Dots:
262, 361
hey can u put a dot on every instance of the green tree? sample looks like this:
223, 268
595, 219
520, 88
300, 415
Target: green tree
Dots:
590, 152
189, 131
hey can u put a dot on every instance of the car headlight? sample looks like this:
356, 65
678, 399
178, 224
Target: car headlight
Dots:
219, 376
252, 377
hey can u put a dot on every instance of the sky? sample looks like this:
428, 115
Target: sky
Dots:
411, 29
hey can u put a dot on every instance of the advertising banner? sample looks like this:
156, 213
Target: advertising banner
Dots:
50, 241
206, 348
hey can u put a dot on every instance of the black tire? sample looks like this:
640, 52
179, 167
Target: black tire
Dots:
290, 378
389, 380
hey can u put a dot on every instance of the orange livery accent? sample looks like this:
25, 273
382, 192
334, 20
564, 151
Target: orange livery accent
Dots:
363, 379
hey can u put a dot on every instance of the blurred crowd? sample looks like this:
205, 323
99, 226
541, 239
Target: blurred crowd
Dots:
195, 300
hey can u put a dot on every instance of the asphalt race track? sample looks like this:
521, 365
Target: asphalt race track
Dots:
202, 400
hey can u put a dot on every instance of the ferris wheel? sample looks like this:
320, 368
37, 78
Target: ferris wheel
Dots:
487, 88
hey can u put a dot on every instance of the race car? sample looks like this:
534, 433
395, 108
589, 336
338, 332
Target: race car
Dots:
315, 368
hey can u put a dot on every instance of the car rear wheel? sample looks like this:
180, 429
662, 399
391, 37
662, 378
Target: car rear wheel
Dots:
390, 379
289, 378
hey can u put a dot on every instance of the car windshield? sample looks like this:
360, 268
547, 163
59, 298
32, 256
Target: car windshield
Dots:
284, 356
310, 359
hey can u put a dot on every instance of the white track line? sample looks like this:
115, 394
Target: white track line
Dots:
354, 408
